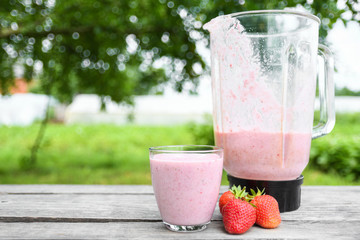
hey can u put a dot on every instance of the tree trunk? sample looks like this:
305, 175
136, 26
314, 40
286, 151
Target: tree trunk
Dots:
40, 136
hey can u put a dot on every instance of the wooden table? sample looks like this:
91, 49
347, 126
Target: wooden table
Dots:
130, 212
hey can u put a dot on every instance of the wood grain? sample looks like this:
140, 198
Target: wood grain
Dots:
130, 212
75, 189
156, 230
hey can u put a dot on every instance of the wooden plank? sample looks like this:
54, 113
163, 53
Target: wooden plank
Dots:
327, 203
83, 206
130, 212
134, 189
78, 189
156, 230
318, 203
75, 189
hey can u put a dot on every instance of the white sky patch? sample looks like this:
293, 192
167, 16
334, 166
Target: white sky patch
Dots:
345, 45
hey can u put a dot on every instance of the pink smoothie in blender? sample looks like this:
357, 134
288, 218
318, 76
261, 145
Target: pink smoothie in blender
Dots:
264, 69
264, 155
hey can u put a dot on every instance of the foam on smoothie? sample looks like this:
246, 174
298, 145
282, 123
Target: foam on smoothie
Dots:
243, 90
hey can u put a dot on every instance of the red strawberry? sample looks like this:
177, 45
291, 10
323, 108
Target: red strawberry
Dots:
233, 193
267, 210
238, 216
225, 198
229, 195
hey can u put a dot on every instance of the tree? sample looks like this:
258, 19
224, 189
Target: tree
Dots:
109, 47
113, 48
103, 47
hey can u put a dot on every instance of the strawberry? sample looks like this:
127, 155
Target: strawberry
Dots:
228, 196
233, 193
238, 216
267, 210
225, 198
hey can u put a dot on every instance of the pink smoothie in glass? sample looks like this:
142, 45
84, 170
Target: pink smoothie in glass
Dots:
264, 155
186, 186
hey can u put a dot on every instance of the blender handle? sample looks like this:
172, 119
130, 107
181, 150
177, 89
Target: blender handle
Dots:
326, 95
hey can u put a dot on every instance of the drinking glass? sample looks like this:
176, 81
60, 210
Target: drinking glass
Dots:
186, 181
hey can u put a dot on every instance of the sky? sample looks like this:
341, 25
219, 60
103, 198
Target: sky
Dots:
345, 45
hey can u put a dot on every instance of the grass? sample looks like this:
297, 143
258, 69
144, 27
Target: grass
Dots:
97, 154
105, 154
339, 153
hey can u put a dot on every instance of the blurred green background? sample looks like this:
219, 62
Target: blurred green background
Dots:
111, 48
109, 154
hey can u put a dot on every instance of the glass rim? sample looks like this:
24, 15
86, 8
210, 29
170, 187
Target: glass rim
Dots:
264, 12
172, 149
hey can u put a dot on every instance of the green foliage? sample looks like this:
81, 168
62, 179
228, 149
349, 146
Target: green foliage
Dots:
339, 152
346, 92
110, 47
340, 155
203, 134
312, 176
89, 46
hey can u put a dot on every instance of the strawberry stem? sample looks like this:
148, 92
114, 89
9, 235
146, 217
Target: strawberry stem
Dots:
258, 193
240, 193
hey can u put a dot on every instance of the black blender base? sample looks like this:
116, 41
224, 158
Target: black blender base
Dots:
287, 193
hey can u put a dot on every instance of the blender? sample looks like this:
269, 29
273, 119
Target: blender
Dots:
264, 70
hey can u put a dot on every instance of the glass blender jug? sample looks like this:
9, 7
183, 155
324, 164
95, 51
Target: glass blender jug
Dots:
264, 77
